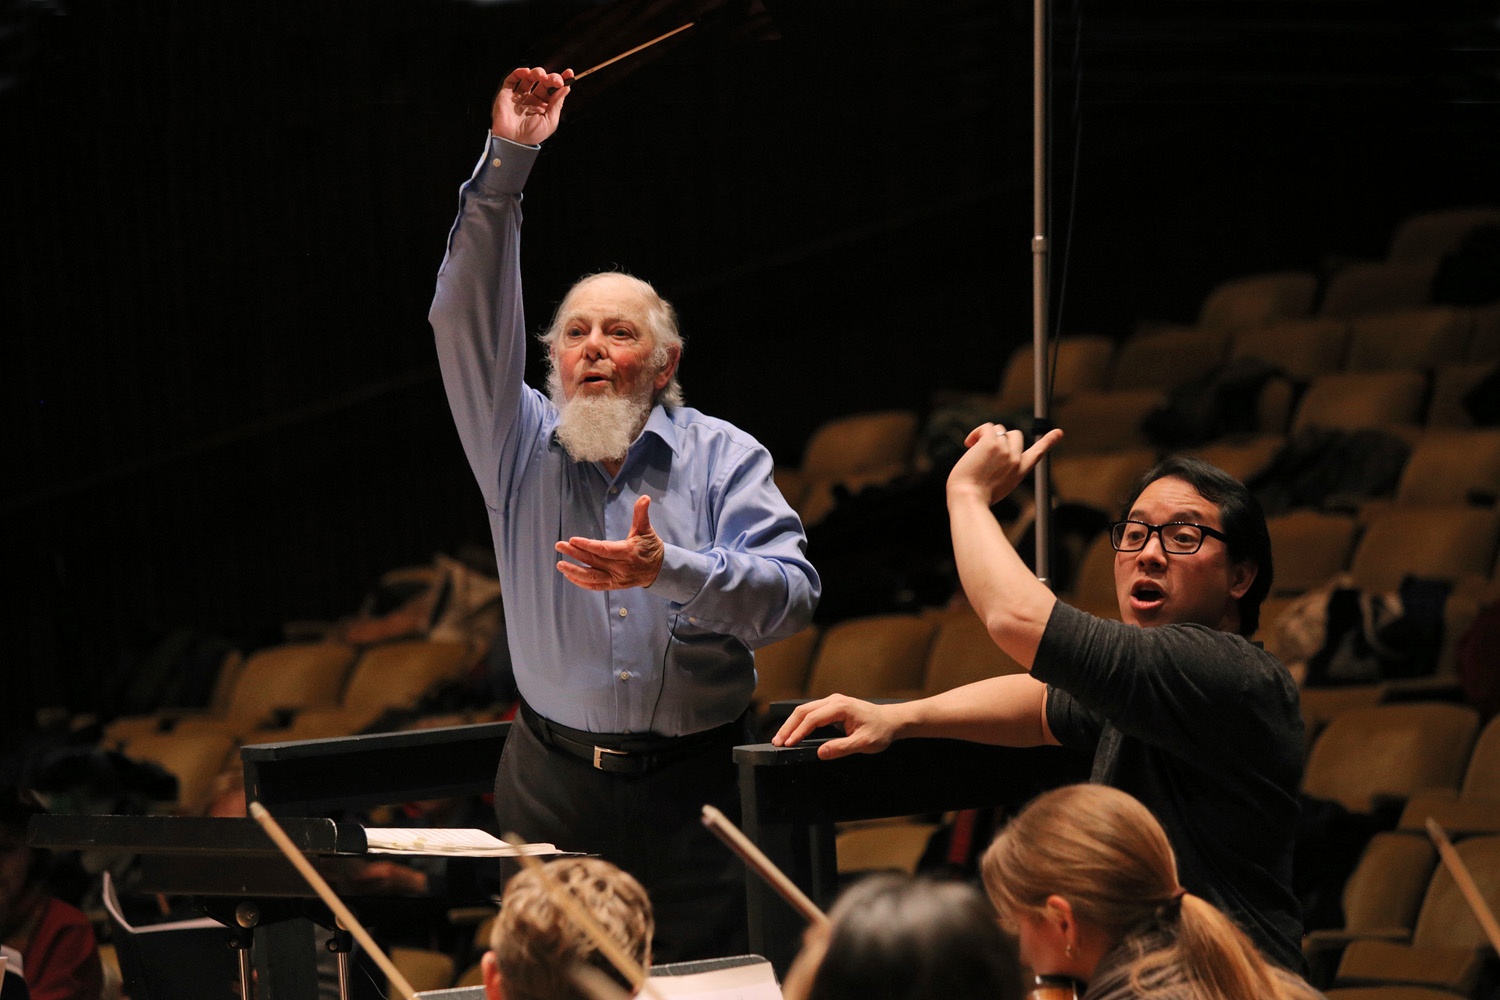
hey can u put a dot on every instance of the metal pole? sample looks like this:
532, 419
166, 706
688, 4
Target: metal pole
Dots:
1041, 422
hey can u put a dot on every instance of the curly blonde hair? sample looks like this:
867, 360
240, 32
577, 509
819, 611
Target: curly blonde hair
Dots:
536, 945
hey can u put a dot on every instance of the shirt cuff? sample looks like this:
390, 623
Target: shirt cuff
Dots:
683, 574
504, 167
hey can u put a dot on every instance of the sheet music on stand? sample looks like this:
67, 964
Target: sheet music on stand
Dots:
747, 982
451, 842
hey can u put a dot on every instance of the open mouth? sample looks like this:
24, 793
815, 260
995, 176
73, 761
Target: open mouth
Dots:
1146, 594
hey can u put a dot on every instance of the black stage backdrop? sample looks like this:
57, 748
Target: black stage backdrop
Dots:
220, 223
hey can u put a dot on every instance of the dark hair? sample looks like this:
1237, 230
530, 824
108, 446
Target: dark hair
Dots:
1240, 517
898, 938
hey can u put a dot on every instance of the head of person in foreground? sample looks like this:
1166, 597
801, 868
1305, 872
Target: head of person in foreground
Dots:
891, 937
535, 945
1086, 880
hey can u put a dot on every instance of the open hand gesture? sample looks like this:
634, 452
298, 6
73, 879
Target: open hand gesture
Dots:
633, 561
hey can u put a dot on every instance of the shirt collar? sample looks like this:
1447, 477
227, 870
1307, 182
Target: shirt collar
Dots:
660, 423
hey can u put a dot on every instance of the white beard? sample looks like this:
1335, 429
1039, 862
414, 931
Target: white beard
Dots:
600, 428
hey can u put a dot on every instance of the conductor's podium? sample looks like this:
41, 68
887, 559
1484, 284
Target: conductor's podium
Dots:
790, 799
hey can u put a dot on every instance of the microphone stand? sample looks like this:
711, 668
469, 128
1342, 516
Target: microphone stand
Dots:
1040, 292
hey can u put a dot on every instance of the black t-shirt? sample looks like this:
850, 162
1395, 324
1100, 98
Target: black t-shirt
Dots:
1204, 728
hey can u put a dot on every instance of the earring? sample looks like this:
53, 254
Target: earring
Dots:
1068, 951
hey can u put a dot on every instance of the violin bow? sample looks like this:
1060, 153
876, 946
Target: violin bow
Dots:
299, 861
763, 866
1465, 882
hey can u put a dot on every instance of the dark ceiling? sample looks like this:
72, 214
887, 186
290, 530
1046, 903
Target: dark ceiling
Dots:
221, 222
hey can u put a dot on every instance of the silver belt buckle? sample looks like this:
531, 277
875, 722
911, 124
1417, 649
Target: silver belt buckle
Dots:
599, 753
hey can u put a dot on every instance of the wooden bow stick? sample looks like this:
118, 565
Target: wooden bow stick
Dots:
299, 861
763, 866
579, 914
631, 52
1465, 882
596, 984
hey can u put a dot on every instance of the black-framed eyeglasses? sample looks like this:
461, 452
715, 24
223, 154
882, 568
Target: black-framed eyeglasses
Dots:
1178, 538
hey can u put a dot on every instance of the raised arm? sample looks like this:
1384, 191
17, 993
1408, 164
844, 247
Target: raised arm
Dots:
1002, 589
476, 315
1013, 603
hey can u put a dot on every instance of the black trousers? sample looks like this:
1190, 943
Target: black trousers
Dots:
650, 825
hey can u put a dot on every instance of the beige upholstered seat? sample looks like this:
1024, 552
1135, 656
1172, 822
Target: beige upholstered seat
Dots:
195, 760
1475, 806
1450, 384
1381, 898
1427, 236
854, 451
1308, 548
1105, 420
1242, 458
1102, 480
879, 656
1410, 338
1167, 358
286, 677
1452, 467
1080, 363
1303, 348
962, 652
782, 668
1257, 300
1094, 586
391, 676
1484, 334
1366, 756
1447, 946
1448, 542
1351, 400
1377, 287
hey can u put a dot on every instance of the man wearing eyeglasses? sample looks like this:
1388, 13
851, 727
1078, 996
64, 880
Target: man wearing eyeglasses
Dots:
1177, 706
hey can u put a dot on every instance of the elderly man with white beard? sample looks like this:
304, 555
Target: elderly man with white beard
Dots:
643, 549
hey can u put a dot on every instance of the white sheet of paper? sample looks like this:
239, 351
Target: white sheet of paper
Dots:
459, 842
743, 982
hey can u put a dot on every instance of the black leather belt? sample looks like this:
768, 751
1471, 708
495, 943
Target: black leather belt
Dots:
623, 753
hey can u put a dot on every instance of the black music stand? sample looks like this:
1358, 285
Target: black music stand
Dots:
791, 800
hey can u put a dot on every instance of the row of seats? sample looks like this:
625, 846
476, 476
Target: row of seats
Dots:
292, 691
1409, 933
1303, 347
1372, 348
1400, 398
1373, 317
1405, 923
881, 656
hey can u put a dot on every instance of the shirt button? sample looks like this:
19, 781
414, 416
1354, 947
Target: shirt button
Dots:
495, 162
624, 613
624, 675
614, 491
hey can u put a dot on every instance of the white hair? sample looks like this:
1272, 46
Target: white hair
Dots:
661, 321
